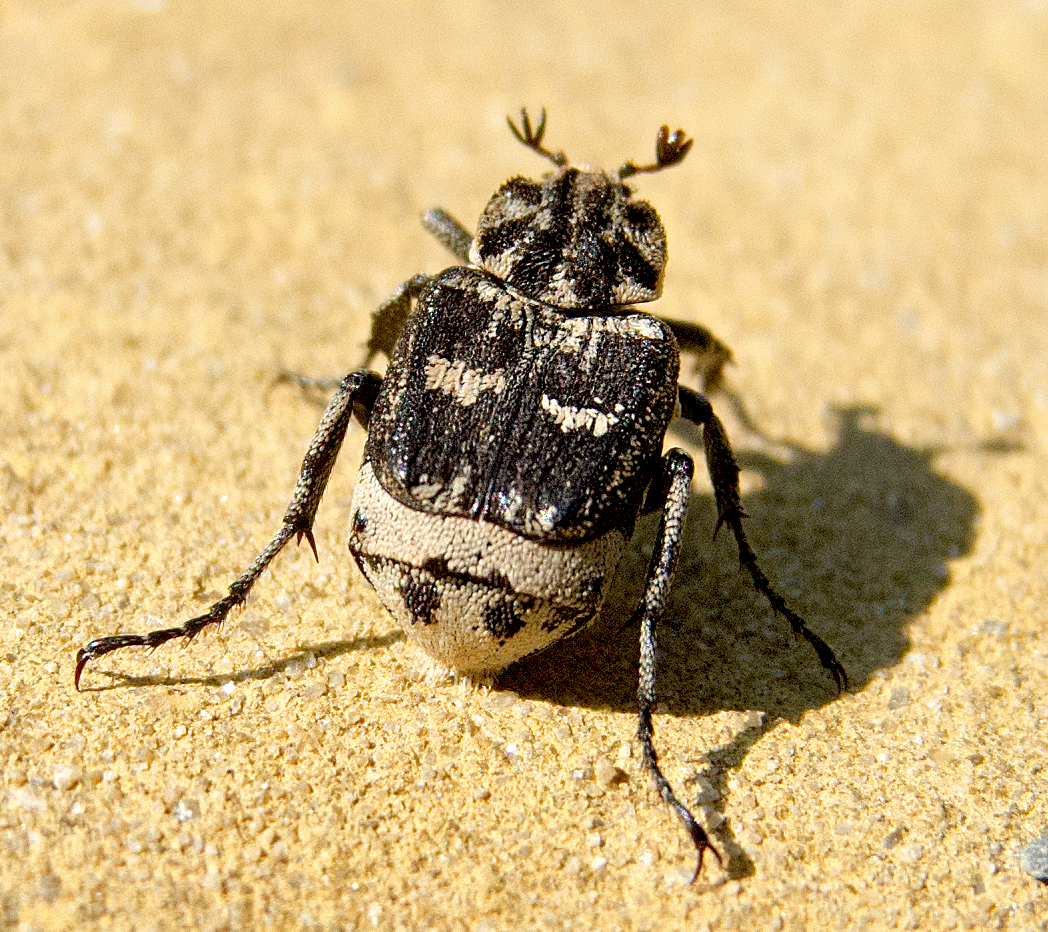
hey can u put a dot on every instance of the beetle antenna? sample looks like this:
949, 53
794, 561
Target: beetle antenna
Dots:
532, 137
670, 148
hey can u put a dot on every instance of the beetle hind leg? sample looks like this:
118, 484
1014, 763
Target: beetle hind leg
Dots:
671, 492
356, 395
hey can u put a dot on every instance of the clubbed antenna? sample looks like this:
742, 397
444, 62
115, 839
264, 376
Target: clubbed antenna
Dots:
532, 138
670, 148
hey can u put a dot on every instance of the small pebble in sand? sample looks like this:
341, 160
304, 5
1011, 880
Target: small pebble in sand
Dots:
1034, 858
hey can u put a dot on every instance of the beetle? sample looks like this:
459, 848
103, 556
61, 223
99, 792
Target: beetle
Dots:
517, 435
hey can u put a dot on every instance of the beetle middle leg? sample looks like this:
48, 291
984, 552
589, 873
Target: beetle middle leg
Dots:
710, 354
724, 474
388, 320
356, 395
670, 490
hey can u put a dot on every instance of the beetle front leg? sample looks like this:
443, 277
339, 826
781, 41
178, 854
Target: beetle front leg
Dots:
451, 234
673, 484
356, 395
724, 474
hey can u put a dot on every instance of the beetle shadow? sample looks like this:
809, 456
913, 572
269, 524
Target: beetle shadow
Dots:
304, 656
857, 538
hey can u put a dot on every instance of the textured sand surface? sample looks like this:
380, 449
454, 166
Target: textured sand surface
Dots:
196, 196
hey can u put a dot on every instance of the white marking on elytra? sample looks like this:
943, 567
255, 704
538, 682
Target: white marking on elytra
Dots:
464, 385
441, 496
638, 325
569, 418
546, 518
581, 335
562, 285
426, 491
507, 311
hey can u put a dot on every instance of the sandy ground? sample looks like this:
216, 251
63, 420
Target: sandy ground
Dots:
197, 196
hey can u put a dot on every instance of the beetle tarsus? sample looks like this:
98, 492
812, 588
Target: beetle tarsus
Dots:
308, 383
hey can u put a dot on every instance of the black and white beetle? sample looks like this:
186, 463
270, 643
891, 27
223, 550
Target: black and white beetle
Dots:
517, 436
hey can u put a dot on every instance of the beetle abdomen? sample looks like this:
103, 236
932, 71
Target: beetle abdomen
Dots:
472, 595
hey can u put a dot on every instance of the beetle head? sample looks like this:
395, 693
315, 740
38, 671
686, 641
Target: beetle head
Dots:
576, 239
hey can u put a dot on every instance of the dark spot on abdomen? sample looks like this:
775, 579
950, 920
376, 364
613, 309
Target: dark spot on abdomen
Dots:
421, 597
504, 618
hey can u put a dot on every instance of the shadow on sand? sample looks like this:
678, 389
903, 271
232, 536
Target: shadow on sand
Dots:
857, 539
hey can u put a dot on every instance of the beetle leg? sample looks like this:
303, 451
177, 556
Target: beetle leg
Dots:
451, 234
724, 473
356, 395
709, 353
388, 320
309, 383
674, 484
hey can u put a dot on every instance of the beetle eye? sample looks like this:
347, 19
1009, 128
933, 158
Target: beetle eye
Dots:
522, 191
640, 214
